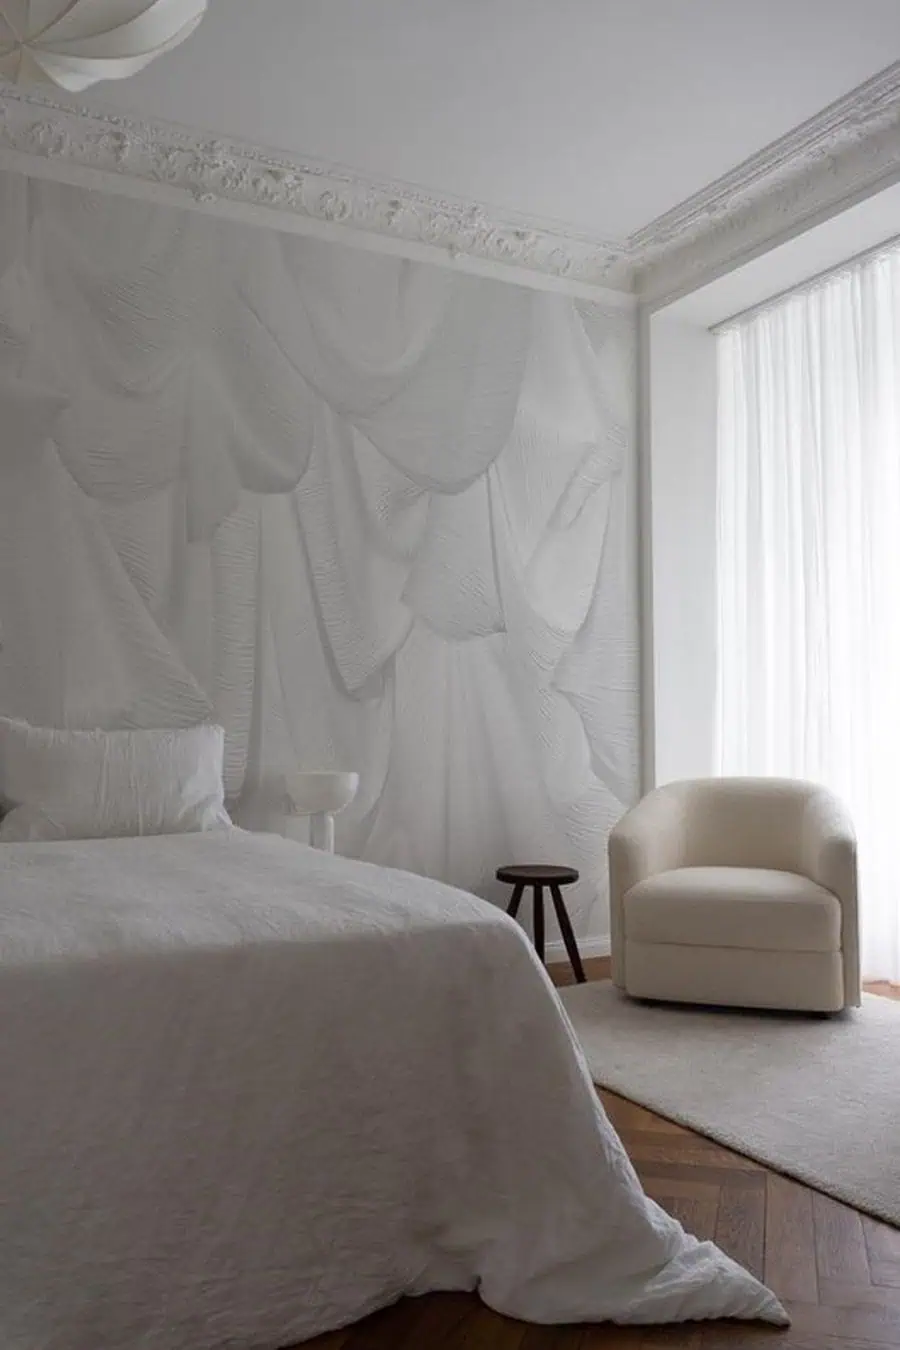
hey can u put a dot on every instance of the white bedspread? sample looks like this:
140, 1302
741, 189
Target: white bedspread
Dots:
252, 1092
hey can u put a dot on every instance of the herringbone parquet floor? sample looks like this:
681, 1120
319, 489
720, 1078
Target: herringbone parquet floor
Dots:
837, 1271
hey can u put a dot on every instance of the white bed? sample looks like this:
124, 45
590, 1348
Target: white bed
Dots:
252, 1092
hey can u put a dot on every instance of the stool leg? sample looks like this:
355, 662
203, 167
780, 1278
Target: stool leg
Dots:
568, 937
515, 899
539, 921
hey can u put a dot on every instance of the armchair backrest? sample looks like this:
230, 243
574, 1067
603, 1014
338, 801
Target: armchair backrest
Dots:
744, 822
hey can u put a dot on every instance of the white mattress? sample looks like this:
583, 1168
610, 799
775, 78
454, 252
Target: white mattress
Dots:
252, 1092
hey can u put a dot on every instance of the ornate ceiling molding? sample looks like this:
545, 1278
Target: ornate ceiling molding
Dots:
212, 171
844, 153
847, 151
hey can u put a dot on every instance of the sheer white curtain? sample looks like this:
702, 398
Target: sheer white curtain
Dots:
809, 561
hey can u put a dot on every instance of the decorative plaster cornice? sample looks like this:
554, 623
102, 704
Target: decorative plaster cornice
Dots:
212, 171
847, 151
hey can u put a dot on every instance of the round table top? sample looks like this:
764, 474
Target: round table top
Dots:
537, 874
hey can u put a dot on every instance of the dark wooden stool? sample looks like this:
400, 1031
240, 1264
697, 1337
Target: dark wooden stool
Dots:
537, 877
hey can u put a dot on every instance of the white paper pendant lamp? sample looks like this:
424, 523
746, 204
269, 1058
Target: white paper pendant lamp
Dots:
75, 43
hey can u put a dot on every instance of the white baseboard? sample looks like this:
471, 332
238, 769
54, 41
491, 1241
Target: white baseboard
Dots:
590, 946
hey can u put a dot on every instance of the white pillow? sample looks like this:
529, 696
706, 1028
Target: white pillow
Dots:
99, 784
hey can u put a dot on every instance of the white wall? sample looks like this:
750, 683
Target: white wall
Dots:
366, 513
681, 509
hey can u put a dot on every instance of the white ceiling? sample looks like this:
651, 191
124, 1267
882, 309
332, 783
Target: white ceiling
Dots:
598, 114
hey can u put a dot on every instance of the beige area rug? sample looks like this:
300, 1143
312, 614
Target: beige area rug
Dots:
816, 1098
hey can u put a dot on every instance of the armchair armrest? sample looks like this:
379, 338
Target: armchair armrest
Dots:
828, 852
650, 838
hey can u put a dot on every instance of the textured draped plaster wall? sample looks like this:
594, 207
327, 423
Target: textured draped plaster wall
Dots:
366, 512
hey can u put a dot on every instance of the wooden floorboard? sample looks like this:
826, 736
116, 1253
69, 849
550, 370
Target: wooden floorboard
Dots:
837, 1271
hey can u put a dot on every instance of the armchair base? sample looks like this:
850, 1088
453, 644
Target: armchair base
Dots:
734, 977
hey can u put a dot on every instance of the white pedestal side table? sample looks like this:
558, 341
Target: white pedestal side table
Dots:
320, 794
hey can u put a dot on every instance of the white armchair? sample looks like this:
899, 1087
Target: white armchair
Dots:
736, 891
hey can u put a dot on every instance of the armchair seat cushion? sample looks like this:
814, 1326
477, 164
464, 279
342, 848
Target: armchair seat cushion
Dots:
743, 907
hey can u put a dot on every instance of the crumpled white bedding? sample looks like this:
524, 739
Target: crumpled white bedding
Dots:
252, 1092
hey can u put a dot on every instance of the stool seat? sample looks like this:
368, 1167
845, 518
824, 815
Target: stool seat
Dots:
537, 876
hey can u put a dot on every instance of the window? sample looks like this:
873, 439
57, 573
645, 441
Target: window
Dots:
808, 539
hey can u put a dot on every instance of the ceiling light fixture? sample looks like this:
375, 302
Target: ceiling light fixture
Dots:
74, 43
